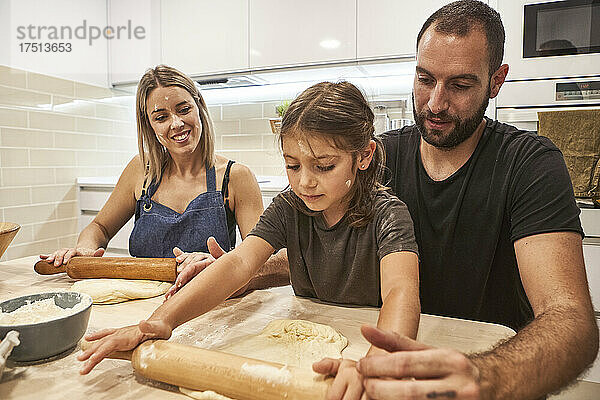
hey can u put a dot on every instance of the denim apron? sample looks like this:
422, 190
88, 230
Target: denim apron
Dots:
158, 229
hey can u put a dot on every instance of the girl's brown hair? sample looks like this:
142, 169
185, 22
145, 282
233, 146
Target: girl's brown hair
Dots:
340, 112
152, 153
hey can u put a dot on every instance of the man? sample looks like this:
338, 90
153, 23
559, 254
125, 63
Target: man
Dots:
497, 227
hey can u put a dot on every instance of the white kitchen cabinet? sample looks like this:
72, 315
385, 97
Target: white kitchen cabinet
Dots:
203, 36
389, 28
301, 32
92, 194
130, 57
82, 55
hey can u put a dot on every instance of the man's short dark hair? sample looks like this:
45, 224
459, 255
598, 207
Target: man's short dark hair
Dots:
461, 17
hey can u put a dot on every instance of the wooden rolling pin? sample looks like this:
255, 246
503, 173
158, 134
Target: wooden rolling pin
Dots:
234, 376
158, 269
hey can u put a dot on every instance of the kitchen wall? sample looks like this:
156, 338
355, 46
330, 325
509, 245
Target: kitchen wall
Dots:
243, 132
51, 132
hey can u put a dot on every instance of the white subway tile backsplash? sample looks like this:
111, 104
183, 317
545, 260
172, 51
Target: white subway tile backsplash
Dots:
21, 97
30, 214
241, 142
83, 91
25, 235
215, 112
68, 209
53, 193
269, 109
12, 118
227, 127
10, 157
53, 229
126, 129
12, 77
69, 105
30, 249
26, 138
14, 196
51, 121
255, 126
49, 84
93, 125
27, 176
80, 141
113, 112
52, 158
242, 111
68, 241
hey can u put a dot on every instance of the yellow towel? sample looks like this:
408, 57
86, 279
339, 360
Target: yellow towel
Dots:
577, 134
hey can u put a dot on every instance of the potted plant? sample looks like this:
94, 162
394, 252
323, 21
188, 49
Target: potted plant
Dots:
276, 122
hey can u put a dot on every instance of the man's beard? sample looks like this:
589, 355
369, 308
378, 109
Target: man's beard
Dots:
463, 129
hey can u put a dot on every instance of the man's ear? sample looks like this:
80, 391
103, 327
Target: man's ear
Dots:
366, 156
497, 80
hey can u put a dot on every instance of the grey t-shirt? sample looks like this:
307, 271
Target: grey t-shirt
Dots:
338, 264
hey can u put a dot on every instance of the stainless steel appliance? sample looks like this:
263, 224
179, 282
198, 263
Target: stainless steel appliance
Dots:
551, 39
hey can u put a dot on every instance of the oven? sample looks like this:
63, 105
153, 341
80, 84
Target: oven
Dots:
551, 39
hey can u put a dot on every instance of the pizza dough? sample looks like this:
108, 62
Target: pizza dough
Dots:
296, 343
111, 291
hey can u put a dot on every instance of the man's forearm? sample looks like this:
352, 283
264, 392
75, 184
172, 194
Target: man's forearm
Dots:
544, 356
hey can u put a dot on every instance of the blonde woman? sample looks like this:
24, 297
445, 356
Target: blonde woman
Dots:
181, 193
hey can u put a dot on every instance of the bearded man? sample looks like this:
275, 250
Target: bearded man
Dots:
497, 227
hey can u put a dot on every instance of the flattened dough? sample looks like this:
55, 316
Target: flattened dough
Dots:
111, 291
293, 342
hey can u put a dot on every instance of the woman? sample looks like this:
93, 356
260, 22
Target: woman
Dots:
180, 191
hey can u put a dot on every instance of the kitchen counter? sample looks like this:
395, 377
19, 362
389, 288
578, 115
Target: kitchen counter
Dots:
59, 379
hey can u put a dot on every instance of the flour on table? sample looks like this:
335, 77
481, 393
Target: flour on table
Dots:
111, 291
206, 395
39, 311
296, 343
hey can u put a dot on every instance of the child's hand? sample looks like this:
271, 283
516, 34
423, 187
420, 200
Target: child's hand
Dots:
347, 384
108, 341
191, 264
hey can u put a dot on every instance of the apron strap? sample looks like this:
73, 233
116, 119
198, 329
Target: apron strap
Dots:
211, 180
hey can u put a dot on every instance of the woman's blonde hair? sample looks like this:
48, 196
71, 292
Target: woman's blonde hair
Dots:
152, 153
340, 112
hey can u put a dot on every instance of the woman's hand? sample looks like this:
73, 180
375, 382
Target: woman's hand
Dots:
63, 255
347, 384
191, 264
108, 341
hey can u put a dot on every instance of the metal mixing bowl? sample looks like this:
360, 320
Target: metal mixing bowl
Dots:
46, 339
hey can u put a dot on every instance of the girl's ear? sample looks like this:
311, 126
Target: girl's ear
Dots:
366, 156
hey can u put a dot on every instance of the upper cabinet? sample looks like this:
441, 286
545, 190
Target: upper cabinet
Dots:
389, 28
134, 51
205, 37
301, 32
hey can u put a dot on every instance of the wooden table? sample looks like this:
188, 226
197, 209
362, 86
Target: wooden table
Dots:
112, 379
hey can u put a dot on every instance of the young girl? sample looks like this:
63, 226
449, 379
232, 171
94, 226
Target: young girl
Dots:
348, 240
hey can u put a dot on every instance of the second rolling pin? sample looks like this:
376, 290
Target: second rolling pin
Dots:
157, 269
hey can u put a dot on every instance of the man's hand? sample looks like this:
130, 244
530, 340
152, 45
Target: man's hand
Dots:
191, 264
348, 382
414, 370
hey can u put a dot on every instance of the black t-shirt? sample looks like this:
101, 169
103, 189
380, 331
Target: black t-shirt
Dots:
514, 185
